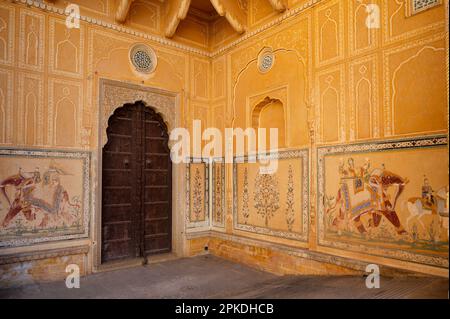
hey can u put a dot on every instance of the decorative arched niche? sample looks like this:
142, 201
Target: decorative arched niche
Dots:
270, 113
114, 94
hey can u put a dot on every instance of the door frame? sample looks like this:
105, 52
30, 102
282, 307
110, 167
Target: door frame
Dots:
112, 95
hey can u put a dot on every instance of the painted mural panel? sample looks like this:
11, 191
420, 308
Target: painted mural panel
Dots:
272, 202
387, 199
44, 196
197, 195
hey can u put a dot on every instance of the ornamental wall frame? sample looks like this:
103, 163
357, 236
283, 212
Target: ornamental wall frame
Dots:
352, 30
339, 33
218, 162
10, 41
53, 54
341, 98
303, 154
388, 38
39, 120
86, 181
22, 40
375, 146
196, 226
375, 112
388, 109
8, 106
52, 104
198, 67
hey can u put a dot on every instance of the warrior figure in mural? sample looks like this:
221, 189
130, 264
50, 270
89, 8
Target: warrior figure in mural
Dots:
363, 192
431, 203
52, 200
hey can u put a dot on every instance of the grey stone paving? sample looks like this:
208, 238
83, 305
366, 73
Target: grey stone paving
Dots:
212, 277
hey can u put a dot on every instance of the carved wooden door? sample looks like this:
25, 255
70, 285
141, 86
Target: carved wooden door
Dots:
136, 185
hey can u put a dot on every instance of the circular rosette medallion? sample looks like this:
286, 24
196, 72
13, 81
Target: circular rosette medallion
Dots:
266, 59
143, 59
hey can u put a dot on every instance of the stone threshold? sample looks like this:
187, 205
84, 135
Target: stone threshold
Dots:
120, 264
135, 262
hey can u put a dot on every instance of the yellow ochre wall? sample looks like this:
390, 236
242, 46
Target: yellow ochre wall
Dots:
45, 71
338, 84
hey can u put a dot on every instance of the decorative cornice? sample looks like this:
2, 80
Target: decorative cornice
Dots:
286, 15
44, 254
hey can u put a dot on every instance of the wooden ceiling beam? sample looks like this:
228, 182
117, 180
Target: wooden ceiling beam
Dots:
122, 10
176, 11
232, 12
279, 5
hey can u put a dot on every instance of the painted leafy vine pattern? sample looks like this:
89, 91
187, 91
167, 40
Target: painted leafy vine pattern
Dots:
197, 194
245, 198
290, 217
267, 196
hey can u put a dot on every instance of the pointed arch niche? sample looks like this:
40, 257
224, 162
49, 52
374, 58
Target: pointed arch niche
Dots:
270, 113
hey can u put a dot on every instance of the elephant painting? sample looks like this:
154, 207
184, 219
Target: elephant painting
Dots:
363, 191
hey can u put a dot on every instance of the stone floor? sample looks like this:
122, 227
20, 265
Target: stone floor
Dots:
211, 277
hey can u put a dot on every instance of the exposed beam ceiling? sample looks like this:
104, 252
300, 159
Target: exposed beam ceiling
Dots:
177, 10
232, 12
122, 10
279, 5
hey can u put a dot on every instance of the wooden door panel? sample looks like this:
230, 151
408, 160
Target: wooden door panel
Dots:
126, 126
136, 184
114, 250
120, 144
157, 178
157, 244
117, 195
118, 213
153, 129
157, 226
117, 231
157, 188
156, 145
156, 210
156, 193
116, 178
157, 162
116, 161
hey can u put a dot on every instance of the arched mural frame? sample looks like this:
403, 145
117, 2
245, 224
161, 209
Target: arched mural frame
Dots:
113, 95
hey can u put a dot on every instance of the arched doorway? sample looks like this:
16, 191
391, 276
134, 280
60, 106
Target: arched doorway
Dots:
136, 185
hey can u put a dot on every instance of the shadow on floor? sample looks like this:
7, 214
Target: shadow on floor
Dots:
211, 277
